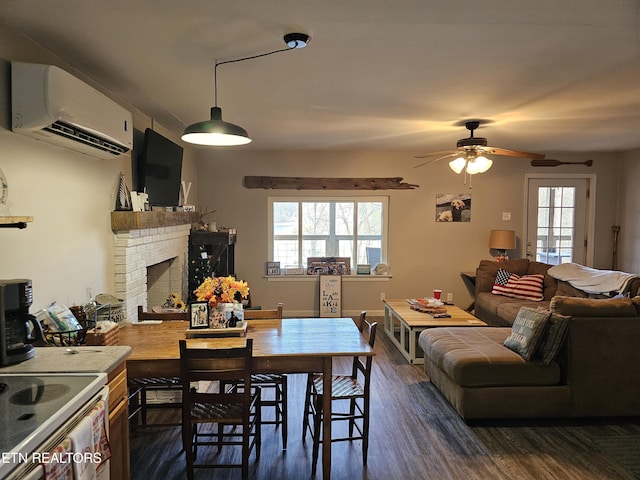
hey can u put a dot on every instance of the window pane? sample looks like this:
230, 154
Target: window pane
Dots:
285, 218
315, 218
344, 219
313, 248
285, 252
369, 218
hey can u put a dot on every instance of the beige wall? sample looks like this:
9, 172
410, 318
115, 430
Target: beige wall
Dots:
424, 254
629, 213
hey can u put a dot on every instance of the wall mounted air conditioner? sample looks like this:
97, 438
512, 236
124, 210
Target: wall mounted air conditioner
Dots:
52, 105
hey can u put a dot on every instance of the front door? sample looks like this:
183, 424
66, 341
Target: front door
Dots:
557, 220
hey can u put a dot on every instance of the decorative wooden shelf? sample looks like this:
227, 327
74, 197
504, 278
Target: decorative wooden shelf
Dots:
15, 221
154, 219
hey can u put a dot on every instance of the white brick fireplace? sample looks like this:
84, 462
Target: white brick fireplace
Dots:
137, 249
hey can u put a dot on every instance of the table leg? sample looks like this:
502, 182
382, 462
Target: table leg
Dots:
326, 419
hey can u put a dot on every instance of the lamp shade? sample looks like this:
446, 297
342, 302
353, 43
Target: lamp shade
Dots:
216, 132
502, 239
458, 164
479, 165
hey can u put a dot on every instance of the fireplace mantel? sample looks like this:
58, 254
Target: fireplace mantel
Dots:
123, 221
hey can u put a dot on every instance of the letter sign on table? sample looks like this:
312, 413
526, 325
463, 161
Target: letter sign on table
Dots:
330, 296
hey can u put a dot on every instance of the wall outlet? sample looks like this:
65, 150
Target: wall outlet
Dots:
381, 296
449, 297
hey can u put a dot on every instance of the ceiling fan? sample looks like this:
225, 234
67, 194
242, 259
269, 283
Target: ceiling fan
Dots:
471, 151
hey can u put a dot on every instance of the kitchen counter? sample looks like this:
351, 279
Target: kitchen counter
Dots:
59, 360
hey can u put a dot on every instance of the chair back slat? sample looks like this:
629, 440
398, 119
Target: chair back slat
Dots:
265, 314
168, 316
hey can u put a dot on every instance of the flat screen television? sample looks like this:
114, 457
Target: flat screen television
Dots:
159, 169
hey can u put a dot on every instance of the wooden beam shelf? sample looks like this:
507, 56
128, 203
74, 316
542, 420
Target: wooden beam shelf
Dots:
316, 183
138, 220
15, 221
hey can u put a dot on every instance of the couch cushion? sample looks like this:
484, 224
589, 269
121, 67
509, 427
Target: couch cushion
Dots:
527, 287
476, 357
589, 307
527, 331
550, 283
508, 309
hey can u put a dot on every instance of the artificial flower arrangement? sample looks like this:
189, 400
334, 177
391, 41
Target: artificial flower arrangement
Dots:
221, 290
175, 302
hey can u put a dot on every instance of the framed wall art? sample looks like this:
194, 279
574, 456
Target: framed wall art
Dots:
453, 207
330, 296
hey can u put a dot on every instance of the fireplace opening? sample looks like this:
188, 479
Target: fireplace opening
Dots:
163, 279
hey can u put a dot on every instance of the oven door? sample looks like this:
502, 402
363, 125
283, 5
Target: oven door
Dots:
31, 469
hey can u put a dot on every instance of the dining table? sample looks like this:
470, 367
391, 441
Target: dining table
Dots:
289, 345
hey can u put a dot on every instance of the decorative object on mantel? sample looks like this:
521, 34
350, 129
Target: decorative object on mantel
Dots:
317, 183
548, 162
123, 196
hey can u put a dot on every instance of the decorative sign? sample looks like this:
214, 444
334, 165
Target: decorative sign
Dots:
330, 296
273, 268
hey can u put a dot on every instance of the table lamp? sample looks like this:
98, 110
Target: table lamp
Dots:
502, 240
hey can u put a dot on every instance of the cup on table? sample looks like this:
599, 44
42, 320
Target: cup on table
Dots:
437, 294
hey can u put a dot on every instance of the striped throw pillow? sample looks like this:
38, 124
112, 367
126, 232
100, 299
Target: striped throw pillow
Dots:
527, 287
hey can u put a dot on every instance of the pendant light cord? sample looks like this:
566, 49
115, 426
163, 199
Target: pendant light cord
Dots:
217, 64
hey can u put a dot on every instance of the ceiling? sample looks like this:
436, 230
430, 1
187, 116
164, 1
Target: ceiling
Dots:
549, 75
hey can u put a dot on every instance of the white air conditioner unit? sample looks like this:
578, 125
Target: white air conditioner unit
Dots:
52, 105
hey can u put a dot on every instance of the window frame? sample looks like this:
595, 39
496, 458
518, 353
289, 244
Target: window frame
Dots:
383, 199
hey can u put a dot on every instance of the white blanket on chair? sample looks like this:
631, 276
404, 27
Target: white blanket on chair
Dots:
591, 280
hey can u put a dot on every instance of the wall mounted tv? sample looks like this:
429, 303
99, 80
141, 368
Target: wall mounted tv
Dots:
158, 169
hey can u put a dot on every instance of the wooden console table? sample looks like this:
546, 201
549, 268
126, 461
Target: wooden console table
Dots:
403, 326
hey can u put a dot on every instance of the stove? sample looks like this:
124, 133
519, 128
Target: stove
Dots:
34, 406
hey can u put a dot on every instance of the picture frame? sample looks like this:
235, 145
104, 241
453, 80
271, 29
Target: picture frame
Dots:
273, 268
199, 315
363, 269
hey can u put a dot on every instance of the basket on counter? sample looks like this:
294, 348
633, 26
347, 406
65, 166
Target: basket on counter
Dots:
102, 336
108, 308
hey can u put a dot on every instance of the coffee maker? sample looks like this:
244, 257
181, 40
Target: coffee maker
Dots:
18, 329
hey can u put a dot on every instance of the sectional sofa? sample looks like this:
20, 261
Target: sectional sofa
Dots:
591, 372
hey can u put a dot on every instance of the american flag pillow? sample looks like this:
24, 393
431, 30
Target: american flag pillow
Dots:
527, 287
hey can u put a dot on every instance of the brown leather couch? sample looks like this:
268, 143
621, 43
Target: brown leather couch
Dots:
593, 374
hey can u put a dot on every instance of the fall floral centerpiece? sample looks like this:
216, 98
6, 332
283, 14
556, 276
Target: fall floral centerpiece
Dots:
221, 290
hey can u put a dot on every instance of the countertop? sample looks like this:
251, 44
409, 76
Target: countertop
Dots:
59, 360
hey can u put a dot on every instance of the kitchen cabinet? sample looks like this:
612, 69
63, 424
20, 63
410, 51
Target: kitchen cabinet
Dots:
119, 423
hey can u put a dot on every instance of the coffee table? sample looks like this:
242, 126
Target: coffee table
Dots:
403, 326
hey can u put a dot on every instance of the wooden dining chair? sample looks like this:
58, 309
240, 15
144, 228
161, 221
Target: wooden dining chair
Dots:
140, 387
234, 412
355, 390
273, 385
307, 412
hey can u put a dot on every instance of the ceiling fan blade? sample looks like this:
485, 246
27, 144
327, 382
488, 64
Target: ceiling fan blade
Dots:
435, 159
432, 154
554, 163
511, 153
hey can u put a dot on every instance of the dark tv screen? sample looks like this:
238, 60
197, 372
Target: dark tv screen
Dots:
159, 169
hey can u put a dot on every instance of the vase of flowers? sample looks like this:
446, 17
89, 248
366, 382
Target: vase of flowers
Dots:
223, 294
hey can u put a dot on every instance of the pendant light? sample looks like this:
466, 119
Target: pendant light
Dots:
217, 132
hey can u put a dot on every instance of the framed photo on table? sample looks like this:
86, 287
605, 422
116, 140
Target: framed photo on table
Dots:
199, 315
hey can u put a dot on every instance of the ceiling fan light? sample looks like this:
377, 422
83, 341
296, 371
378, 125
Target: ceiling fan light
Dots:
216, 132
458, 164
479, 165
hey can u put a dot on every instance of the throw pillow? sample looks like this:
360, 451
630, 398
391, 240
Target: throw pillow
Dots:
527, 331
553, 337
527, 287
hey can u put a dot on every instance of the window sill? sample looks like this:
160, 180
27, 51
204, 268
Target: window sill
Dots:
313, 278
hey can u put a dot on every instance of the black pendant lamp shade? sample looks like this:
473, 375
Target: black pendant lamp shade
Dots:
216, 132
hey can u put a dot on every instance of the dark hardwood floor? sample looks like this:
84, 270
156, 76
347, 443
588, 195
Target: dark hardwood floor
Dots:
415, 434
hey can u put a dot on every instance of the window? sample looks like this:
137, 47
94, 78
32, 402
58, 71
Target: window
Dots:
354, 227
